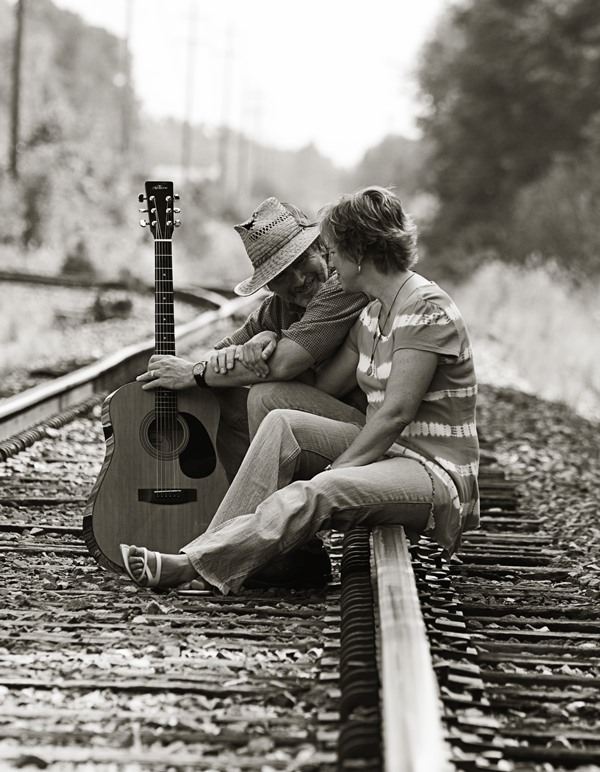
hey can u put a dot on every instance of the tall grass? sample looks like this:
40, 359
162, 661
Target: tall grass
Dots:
540, 331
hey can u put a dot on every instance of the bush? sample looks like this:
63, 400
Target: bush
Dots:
556, 219
78, 262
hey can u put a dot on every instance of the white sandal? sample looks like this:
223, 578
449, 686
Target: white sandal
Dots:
152, 579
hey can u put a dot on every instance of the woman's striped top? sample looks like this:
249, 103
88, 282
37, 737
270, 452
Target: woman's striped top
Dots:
443, 434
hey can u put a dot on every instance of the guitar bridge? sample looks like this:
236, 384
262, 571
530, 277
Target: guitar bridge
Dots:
167, 495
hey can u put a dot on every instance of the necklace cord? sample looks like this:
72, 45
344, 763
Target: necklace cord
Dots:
378, 334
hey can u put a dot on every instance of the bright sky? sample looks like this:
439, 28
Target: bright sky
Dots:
338, 73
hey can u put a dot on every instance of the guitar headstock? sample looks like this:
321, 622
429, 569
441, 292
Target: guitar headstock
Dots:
160, 201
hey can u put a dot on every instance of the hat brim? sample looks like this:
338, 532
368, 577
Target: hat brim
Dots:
283, 258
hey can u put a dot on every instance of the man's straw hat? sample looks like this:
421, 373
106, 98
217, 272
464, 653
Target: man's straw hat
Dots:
273, 239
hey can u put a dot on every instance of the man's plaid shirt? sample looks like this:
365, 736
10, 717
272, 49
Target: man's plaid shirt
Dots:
320, 328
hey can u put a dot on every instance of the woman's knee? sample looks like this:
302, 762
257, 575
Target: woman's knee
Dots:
276, 422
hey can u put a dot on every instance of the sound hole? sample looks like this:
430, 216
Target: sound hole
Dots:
164, 439
184, 438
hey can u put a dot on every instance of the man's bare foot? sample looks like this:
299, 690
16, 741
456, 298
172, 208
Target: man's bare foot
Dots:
156, 569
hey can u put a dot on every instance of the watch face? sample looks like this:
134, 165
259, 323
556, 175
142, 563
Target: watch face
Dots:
199, 368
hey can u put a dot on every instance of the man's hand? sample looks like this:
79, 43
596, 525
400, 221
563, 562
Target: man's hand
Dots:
167, 372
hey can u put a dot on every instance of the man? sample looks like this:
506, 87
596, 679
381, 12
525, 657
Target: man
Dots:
295, 329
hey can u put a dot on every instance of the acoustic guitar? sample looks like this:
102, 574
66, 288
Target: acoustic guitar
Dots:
161, 481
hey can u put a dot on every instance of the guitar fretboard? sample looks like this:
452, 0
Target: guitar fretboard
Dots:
164, 318
165, 400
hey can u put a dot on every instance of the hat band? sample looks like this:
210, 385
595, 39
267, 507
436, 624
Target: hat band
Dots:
258, 261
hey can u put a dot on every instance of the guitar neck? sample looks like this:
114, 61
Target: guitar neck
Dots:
164, 316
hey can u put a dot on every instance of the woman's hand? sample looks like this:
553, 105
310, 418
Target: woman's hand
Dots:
256, 351
252, 354
223, 359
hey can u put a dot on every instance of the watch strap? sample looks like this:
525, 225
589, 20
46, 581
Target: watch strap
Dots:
200, 374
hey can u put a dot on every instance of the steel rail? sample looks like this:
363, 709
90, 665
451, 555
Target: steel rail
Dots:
35, 405
192, 294
413, 735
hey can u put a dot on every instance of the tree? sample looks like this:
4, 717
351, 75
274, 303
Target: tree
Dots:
510, 85
396, 161
70, 128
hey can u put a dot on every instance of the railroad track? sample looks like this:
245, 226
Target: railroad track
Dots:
213, 295
73, 390
514, 642
95, 671
405, 662
83, 318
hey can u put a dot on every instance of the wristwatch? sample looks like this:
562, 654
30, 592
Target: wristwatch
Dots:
199, 373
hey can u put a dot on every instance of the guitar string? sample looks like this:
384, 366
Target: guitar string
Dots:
161, 427
168, 333
167, 397
171, 331
165, 401
157, 396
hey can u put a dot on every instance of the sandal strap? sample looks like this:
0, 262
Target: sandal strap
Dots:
152, 579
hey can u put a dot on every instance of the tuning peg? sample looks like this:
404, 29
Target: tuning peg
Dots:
176, 196
141, 198
142, 210
143, 223
177, 210
177, 223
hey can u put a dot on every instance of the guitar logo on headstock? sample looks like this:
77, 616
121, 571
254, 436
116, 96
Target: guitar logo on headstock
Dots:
160, 199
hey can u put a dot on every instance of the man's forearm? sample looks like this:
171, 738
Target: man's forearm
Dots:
238, 376
241, 376
170, 372
289, 360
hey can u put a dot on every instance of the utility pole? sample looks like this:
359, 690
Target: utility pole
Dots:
126, 95
186, 134
16, 90
224, 134
249, 138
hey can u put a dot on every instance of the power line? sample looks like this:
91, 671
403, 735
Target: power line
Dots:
186, 134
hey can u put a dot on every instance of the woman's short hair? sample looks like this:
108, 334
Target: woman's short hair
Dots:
371, 225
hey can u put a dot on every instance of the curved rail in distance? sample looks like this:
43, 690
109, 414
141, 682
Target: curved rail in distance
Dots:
40, 402
215, 296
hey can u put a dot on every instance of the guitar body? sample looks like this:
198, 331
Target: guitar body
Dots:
161, 481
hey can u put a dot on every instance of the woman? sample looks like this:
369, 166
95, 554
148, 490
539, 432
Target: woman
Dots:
412, 462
